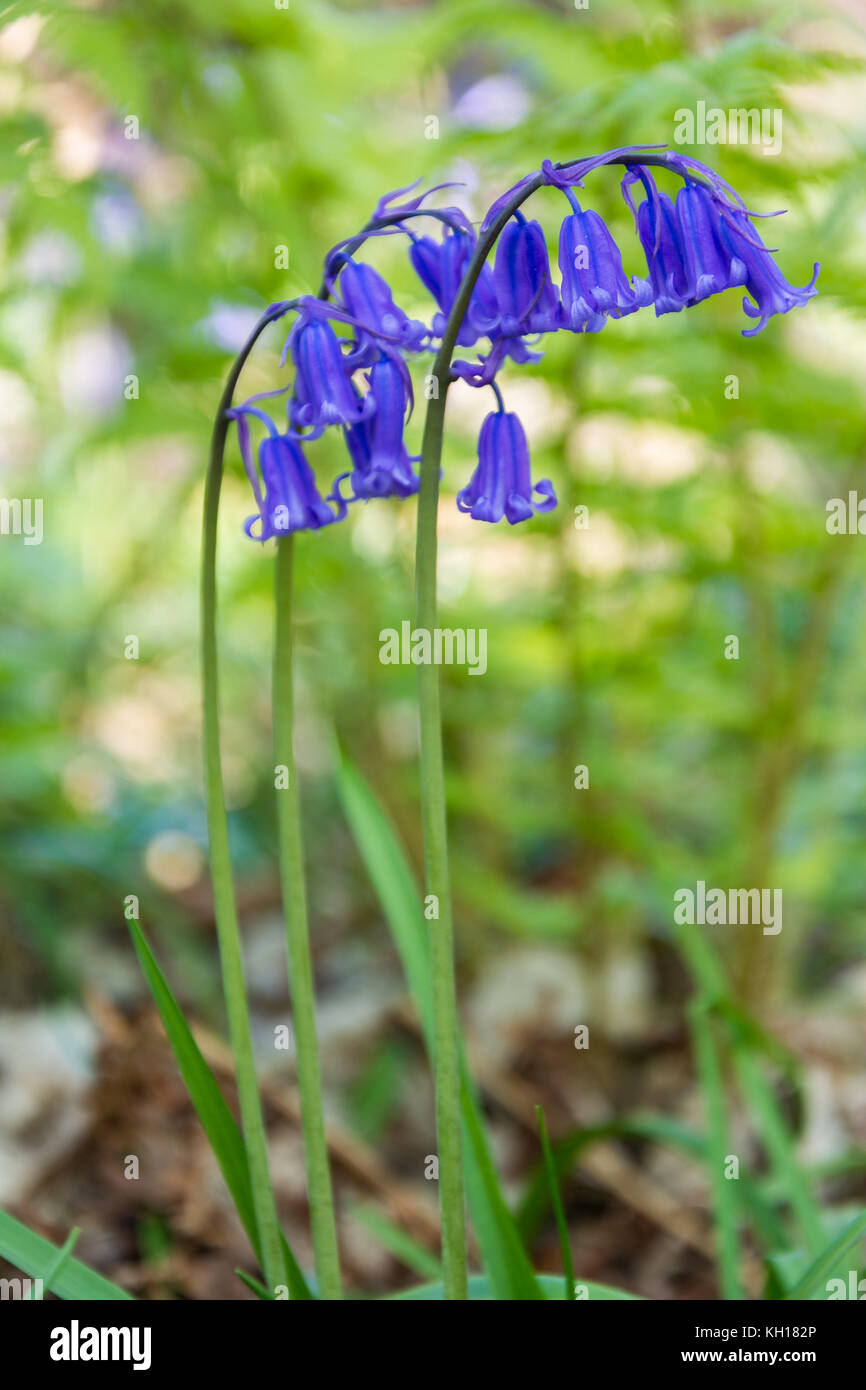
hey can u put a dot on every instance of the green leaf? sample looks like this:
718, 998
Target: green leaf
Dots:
400, 1245
567, 1150
217, 1121
502, 1251
657, 1129
787, 1267
556, 1203
256, 1285
779, 1144
725, 1197
393, 880
826, 1262
481, 1290
39, 1259
62, 1257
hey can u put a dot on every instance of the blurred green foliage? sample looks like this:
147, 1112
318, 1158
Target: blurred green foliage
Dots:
260, 127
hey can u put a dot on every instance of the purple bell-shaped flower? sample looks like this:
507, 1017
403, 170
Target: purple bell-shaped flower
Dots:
382, 466
501, 484
527, 299
440, 266
368, 298
290, 500
594, 285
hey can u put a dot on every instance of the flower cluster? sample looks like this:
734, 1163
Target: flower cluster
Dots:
349, 346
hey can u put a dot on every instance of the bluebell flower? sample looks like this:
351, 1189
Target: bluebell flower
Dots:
710, 267
527, 302
501, 484
661, 238
699, 245
526, 297
771, 292
367, 297
323, 393
382, 466
594, 284
288, 499
440, 266
706, 244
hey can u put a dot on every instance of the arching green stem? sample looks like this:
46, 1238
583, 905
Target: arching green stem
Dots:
228, 933
446, 1061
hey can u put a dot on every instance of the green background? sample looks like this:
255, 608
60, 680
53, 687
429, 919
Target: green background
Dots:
260, 128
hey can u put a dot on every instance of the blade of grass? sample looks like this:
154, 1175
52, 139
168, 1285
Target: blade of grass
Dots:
658, 1129
785, 1266
56, 1264
568, 1149
826, 1261
216, 1119
39, 1259
755, 1036
393, 880
556, 1202
779, 1145
751, 1040
257, 1287
724, 1191
502, 1250
398, 1243
481, 1289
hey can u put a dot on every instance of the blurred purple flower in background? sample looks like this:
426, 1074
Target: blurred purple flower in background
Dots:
498, 102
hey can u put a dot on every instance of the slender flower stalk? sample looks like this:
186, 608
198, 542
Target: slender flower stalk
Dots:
228, 932
298, 936
292, 876
446, 1058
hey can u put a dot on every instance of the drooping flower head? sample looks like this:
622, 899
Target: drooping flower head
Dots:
501, 485
525, 305
526, 297
661, 239
381, 463
323, 393
594, 284
709, 265
771, 292
287, 497
706, 243
440, 266
367, 297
